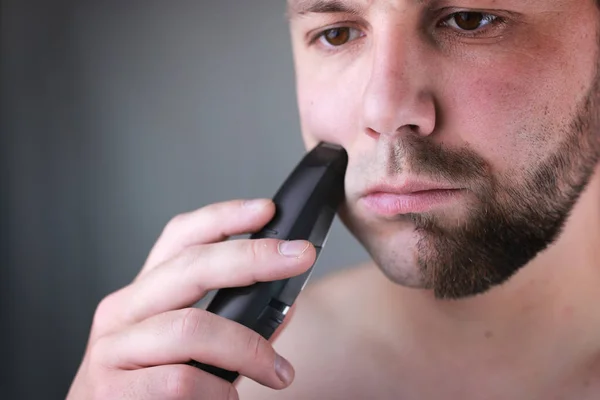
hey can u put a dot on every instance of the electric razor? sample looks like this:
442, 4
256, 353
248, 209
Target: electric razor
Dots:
306, 204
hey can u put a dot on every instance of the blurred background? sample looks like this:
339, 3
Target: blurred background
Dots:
116, 116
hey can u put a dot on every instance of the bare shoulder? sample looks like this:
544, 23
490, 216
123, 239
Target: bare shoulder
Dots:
320, 338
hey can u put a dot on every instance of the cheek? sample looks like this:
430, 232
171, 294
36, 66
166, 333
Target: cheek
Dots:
328, 109
493, 117
516, 111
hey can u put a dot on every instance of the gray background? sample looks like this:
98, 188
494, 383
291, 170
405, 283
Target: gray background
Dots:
115, 117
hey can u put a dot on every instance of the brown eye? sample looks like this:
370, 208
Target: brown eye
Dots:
335, 39
469, 20
337, 36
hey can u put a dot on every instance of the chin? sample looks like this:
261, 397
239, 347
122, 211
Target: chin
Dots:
454, 261
393, 246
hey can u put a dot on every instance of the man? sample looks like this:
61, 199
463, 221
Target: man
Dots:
473, 181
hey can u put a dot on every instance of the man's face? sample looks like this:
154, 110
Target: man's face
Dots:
471, 127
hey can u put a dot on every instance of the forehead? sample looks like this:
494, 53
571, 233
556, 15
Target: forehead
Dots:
298, 8
303, 7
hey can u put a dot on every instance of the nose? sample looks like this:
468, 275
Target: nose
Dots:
396, 98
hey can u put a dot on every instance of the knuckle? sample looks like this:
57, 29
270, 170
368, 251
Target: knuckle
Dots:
176, 222
180, 383
187, 258
104, 312
193, 255
191, 259
256, 249
191, 323
256, 347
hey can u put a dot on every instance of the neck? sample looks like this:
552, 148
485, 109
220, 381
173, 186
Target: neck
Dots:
545, 313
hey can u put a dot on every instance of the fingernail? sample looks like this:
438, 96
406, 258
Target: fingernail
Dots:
255, 204
293, 248
284, 369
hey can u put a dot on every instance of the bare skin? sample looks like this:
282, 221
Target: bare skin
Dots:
364, 334
489, 293
356, 335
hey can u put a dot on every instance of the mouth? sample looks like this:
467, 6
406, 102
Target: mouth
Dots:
409, 197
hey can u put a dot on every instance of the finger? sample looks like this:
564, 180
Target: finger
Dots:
166, 382
188, 278
193, 334
213, 223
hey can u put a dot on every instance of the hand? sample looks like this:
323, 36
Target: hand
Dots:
143, 335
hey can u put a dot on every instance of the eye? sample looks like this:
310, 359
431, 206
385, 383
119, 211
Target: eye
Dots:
469, 21
336, 37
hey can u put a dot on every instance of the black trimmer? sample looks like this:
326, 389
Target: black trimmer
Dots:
306, 205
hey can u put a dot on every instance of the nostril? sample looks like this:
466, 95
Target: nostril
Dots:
372, 133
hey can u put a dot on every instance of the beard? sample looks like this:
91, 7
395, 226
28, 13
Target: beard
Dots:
509, 224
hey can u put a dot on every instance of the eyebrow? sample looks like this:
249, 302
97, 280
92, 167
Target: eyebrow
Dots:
303, 7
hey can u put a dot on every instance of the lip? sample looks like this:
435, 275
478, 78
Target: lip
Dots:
408, 197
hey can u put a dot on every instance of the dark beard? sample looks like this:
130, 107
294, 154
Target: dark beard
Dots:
513, 222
